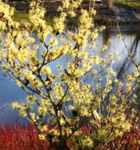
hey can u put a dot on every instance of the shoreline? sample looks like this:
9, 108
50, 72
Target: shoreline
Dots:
120, 13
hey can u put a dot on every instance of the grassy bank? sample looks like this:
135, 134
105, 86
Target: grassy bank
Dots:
130, 3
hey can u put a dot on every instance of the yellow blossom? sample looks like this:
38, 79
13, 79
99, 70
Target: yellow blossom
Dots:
42, 137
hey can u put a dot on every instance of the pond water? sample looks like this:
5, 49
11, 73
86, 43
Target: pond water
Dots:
9, 91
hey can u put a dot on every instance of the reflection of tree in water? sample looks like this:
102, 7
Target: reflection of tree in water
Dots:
130, 57
132, 51
127, 63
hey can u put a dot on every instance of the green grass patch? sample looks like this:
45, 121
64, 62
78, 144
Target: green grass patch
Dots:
131, 3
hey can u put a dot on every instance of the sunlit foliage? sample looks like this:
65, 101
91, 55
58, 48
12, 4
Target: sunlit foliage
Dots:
59, 102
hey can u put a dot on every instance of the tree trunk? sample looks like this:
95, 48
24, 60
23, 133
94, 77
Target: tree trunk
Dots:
110, 4
61, 145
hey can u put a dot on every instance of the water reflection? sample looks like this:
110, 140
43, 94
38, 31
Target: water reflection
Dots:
8, 92
124, 46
